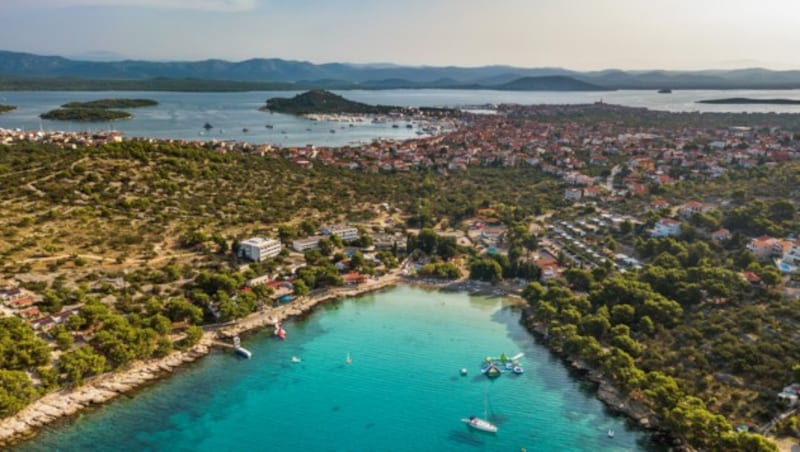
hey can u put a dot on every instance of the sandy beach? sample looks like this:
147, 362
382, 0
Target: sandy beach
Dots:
102, 388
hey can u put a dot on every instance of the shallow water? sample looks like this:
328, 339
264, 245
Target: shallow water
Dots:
402, 391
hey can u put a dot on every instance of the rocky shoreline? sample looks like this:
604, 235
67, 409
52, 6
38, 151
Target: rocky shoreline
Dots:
613, 398
65, 403
101, 389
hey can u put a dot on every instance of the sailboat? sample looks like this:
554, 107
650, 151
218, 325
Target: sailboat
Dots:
348, 360
482, 424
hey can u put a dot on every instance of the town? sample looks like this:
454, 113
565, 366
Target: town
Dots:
629, 202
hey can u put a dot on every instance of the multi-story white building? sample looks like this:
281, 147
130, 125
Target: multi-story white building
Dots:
344, 232
259, 248
308, 243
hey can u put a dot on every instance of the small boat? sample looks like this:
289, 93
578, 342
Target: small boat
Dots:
243, 352
333, 130
295, 359
348, 360
480, 424
269, 126
207, 126
463, 371
395, 126
518, 370
610, 433
665, 91
245, 130
279, 331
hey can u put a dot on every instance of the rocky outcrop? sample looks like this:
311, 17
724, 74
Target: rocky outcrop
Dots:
99, 390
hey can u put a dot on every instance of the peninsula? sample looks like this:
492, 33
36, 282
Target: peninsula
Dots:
750, 101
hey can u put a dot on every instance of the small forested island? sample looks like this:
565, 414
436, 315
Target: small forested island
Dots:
749, 100
112, 103
320, 101
85, 114
6, 108
96, 110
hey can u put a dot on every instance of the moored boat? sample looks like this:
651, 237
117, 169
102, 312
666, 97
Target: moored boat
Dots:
480, 424
279, 331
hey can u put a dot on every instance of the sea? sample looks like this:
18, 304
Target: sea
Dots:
401, 391
235, 116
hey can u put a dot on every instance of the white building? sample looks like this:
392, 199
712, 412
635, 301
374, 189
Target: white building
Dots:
308, 243
259, 248
666, 227
573, 194
346, 233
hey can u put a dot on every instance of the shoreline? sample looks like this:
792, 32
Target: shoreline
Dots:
615, 400
65, 403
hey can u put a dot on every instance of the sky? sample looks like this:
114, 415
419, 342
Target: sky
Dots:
573, 34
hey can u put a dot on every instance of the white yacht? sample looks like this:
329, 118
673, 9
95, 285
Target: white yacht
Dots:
480, 424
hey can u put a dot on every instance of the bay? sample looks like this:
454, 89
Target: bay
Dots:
181, 115
401, 392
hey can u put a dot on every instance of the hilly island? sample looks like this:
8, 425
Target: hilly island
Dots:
318, 101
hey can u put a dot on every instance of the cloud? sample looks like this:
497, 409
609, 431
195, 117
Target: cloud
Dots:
202, 5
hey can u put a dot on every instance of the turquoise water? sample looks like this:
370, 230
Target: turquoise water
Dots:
402, 391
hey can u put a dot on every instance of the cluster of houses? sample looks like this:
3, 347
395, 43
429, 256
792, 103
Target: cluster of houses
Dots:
525, 135
784, 252
17, 301
260, 248
64, 140
20, 302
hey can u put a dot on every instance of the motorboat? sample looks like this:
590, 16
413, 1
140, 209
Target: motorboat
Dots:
480, 424
296, 359
610, 433
463, 371
279, 331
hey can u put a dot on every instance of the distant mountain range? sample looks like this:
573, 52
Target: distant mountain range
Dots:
16, 66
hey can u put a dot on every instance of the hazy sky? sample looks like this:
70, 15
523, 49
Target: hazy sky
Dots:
575, 34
